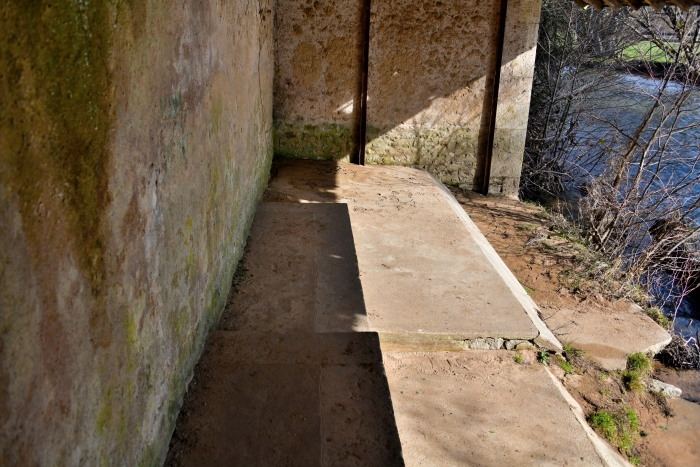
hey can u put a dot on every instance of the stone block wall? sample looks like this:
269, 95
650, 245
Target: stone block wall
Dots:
430, 76
431, 69
135, 142
318, 53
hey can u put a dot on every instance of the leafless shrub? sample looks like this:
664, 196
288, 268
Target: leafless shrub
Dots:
642, 196
681, 353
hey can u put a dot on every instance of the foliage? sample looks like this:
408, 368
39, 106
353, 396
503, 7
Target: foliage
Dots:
638, 366
568, 367
620, 428
655, 313
571, 41
612, 96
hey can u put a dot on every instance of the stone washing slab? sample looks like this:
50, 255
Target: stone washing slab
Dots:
295, 399
422, 271
482, 408
608, 335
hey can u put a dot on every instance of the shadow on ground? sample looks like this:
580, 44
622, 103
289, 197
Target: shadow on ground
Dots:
291, 377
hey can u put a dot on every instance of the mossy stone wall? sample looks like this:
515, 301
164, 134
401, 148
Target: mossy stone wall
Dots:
135, 143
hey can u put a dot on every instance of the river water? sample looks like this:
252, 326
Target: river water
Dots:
624, 102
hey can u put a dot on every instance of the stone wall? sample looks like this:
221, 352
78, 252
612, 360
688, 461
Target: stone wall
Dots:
135, 142
430, 76
431, 69
318, 53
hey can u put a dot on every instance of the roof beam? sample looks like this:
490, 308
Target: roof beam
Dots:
684, 5
597, 4
614, 4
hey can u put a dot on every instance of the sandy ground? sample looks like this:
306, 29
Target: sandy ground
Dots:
541, 266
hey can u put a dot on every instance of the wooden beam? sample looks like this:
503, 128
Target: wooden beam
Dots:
597, 4
655, 4
614, 4
581, 3
635, 4
684, 5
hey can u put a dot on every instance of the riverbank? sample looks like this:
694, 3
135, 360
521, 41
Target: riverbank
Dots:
553, 270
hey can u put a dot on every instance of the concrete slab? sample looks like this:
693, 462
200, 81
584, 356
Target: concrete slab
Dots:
482, 408
304, 276
421, 270
608, 335
296, 399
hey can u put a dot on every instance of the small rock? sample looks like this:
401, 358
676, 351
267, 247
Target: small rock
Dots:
486, 344
666, 389
510, 344
525, 346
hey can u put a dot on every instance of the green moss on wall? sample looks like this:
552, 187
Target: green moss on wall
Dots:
329, 141
55, 118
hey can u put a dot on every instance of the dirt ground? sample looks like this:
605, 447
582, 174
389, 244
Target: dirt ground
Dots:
542, 262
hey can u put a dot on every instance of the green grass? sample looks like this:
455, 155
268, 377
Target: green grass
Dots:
518, 358
566, 366
638, 366
543, 357
620, 428
535, 204
646, 50
657, 315
605, 392
639, 363
571, 351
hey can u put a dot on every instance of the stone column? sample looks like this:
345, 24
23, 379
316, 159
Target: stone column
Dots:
517, 69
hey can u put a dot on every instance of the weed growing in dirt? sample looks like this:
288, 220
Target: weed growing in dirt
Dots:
620, 428
571, 352
634, 460
543, 357
535, 204
638, 366
639, 363
518, 358
566, 366
240, 274
605, 392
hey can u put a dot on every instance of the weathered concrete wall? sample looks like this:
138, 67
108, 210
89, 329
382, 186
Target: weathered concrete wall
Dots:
135, 141
430, 86
318, 52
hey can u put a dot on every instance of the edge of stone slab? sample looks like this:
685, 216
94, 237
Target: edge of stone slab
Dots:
545, 339
431, 342
608, 456
659, 346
